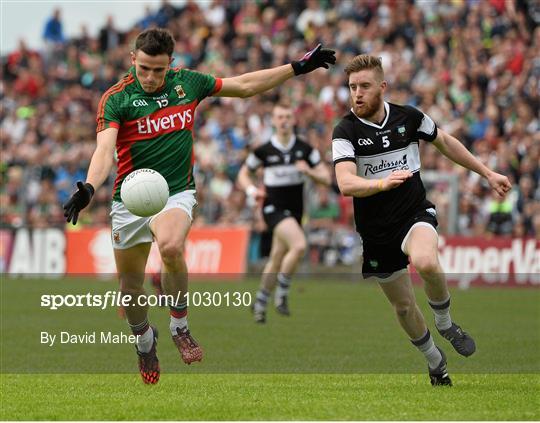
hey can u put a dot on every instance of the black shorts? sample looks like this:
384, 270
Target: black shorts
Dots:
272, 215
381, 260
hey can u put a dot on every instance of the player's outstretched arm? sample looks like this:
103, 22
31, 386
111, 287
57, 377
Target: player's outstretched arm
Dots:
353, 185
456, 151
99, 169
252, 83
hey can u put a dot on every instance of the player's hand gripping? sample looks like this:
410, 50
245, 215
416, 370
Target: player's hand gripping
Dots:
254, 195
395, 179
302, 166
500, 183
78, 201
317, 58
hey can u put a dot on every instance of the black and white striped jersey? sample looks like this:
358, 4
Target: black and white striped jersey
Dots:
283, 182
378, 150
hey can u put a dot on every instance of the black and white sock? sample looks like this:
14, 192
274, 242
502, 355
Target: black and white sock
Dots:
426, 345
441, 311
261, 300
282, 290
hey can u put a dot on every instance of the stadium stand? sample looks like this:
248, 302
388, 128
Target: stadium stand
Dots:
472, 66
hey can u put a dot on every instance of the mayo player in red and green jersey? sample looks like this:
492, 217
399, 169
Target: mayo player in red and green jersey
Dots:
147, 118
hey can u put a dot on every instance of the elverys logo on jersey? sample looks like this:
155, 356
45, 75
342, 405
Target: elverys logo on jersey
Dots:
163, 121
177, 121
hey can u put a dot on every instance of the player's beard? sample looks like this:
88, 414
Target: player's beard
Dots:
368, 109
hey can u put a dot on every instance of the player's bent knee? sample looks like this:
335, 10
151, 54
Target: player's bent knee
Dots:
170, 252
403, 307
299, 249
426, 264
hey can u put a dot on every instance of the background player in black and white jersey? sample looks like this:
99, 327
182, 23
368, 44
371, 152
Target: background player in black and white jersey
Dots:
286, 160
376, 158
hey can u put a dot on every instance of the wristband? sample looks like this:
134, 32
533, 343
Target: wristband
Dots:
251, 191
380, 185
89, 186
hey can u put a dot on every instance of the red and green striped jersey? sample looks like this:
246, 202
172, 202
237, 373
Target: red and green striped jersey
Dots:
155, 130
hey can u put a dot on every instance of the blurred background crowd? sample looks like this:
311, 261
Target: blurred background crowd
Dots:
473, 66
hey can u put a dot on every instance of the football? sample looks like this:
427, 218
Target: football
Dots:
144, 192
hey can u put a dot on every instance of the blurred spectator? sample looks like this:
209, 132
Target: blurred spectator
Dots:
53, 32
13, 126
220, 186
526, 193
311, 17
536, 225
500, 220
66, 177
323, 213
28, 83
109, 36
53, 36
20, 58
216, 14
235, 211
148, 20
83, 40
165, 14
324, 207
207, 154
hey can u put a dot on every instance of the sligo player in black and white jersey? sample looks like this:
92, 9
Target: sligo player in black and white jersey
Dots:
376, 159
286, 160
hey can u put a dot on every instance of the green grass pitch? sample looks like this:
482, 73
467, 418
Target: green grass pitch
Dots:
341, 356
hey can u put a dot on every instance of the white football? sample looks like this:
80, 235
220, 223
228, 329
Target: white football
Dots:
144, 192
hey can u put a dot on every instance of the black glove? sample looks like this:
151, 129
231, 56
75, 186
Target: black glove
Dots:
78, 201
317, 58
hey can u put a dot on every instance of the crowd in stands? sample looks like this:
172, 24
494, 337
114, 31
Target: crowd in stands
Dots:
473, 66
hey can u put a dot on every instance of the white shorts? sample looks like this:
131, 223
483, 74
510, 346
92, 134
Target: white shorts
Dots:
129, 230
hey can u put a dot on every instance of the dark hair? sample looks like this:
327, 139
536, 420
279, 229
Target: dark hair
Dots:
155, 41
364, 61
284, 104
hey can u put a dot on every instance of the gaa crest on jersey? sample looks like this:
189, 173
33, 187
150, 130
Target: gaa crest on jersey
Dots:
180, 91
140, 102
401, 130
365, 141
